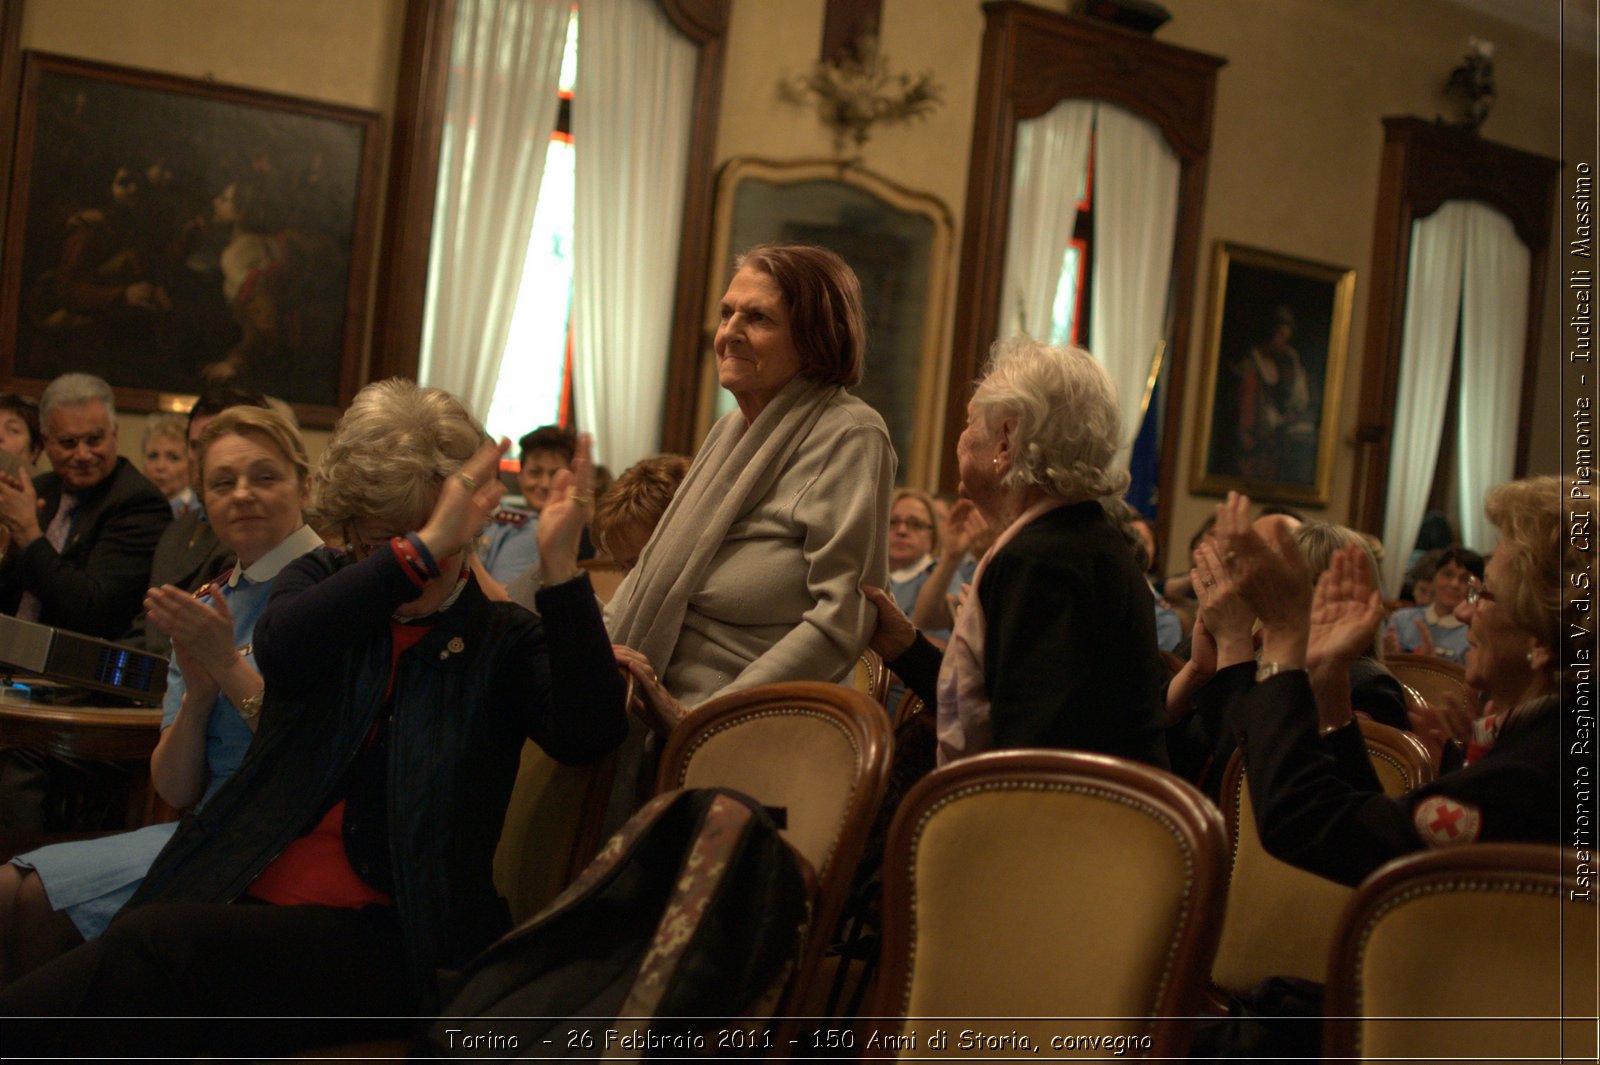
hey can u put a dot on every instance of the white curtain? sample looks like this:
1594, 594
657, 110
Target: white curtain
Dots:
1135, 220
1433, 307
1051, 157
1494, 319
631, 115
505, 64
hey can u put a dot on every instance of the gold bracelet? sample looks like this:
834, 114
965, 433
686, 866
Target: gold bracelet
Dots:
250, 708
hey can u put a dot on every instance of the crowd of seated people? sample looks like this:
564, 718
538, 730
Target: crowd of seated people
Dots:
343, 723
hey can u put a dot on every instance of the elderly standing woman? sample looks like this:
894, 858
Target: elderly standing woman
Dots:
1056, 645
349, 858
1317, 799
754, 574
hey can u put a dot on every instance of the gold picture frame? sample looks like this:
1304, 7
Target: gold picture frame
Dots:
1277, 336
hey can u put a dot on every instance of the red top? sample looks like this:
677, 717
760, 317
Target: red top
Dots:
314, 870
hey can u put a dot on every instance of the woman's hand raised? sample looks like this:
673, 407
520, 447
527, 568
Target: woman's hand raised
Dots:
466, 500
203, 629
564, 516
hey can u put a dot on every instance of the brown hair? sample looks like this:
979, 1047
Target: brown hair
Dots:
639, 497
823, 295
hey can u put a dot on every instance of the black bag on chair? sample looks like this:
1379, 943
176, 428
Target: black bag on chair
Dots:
688, 920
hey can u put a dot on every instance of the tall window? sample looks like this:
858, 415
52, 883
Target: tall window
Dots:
1069, 315
534, 387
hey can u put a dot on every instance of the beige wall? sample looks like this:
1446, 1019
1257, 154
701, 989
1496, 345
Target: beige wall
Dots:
1296, 145
344, 52
1294, 161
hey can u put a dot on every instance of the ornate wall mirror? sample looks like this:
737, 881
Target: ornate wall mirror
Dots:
899, 244
1156, 101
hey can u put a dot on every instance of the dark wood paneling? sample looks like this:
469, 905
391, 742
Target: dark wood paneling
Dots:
1032, 60
420, 89
10, 90
695, 269
1424, 165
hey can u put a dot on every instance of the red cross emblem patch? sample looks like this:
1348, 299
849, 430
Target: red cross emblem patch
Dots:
1443, 822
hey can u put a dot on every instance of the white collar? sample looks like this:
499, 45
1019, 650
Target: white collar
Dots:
297, 543
905, 573
1443, 621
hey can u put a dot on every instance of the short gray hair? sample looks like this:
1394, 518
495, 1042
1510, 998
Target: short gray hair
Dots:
74, 390
1068, 428
391, 452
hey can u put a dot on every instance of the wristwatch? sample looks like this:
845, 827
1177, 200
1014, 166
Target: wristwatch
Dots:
1272, 669
250, 708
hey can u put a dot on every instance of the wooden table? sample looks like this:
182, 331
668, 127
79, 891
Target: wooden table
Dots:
123, 734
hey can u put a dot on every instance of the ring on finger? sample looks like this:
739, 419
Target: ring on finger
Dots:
1208, 582
582, 501
470, 481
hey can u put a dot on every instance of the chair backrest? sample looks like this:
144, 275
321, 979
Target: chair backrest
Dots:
605, 576
819, 753
1474, 952
552, 827
910, 706
1280, 919
1034, 884
1432, 677
871, 677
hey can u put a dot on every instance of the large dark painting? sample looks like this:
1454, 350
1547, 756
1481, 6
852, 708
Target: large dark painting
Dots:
166, 233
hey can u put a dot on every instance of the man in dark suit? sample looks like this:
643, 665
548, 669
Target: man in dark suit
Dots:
188, 555
81, 540
82, 536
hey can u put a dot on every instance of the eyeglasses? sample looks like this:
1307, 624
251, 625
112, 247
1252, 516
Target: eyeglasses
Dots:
70, 443
913, 524
1477, 593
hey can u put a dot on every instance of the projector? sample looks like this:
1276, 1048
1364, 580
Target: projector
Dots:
81, 661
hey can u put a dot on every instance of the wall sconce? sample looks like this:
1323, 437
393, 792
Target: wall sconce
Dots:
1472, 84
855, 92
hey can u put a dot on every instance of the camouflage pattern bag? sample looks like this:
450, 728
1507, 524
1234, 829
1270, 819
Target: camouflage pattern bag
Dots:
685, 927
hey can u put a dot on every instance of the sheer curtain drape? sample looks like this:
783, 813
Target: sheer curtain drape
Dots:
505, 63
631, 117
1052, 155
1135, 219
1136, 177
1433, 307
1494, 321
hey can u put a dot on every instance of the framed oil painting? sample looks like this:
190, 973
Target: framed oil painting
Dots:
900, 244
167, 233
1276, 340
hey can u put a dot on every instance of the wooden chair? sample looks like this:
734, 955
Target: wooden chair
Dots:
1280, 919
911, 705
1483, 952
1047, 884
817, 752
871, 677
1430, 676
552, 826
605, 576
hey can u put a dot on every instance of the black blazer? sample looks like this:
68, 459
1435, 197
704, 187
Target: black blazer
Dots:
97, 583
1070, 657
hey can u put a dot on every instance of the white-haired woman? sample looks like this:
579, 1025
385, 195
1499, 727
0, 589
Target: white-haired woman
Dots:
1056, 645
349, 858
